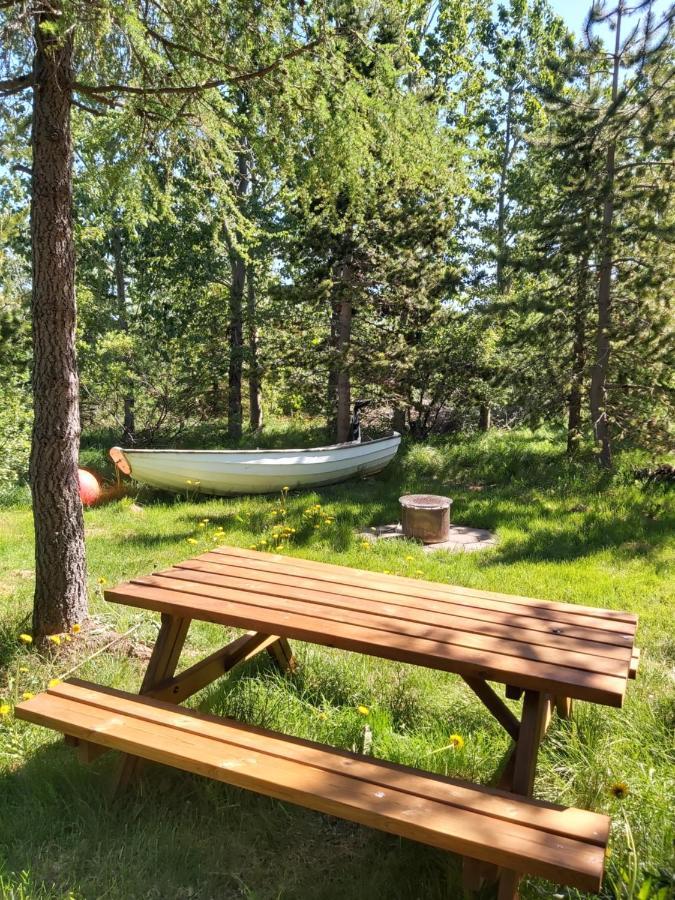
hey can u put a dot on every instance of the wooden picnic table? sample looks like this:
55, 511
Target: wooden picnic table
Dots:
549, 653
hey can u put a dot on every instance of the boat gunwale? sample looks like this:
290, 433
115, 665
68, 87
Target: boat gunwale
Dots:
347, 445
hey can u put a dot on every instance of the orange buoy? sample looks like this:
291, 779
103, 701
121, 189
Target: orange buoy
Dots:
90, 489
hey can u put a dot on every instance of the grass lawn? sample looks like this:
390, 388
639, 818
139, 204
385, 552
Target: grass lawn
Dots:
566, 532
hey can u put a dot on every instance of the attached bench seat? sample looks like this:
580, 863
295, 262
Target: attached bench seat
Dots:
564, 845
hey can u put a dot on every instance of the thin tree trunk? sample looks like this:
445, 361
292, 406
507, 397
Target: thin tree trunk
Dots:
344, 398
236, 326
574, 418
60, 570
484, 417
254, 374
598, 393
129, 426
333, 365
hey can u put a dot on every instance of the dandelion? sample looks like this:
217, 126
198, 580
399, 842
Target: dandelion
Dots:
409, 558
285, 488
363, 710
188, 481
23, 669
77, 628
27, 695
54, 682
102, 580
252, 547
323, 715
5, 709
419, 572
54, 638
619, 790
456, 741
191, 541
206, 521
202, 525
25, 639
67, 638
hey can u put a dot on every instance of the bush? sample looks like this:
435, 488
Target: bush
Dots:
15, 426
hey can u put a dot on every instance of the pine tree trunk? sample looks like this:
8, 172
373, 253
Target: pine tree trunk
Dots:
331, 392
236, 326
344, 398
603, 346
129, 426
254, 387
60, 569
484, 417
574, 418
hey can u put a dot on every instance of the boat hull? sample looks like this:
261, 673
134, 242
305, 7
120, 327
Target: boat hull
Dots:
232, 472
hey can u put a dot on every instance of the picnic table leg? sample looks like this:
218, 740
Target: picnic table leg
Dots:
536, 712
162, 664
281, 653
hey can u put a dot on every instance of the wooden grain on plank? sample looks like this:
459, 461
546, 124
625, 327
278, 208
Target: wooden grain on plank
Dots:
334, 616
499, 624
364, 576
404, 812
533, 674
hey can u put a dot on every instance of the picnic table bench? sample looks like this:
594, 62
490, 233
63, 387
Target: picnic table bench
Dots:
548, 653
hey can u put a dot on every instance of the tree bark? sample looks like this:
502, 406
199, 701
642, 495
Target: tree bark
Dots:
603, 346
484, 417
254, 374
344, 397
129, 426
331, 392
60, 570
574, 417
236, 326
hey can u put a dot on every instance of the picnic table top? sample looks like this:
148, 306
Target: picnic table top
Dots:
559, 648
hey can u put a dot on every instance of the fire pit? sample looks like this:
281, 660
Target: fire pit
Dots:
425, 517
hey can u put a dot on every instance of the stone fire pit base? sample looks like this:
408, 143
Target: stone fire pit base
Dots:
462, 539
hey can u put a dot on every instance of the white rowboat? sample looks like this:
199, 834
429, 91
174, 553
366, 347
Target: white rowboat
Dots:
227, 472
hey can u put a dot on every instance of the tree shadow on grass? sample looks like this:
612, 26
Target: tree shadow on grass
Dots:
175, 835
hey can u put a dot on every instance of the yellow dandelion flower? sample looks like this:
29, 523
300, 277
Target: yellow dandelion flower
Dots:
23, 669
619, 790
363, 710
206, 520
409, 558
25, 639
419, 572
67, 638
53, 682
102, 580
27, 695
285, 488
456, 741
279, 547
5, 709
54, 638
76, 629
202, 525
191, 541
188, 481
252, 547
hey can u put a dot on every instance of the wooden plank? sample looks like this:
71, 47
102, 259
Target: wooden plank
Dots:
495, 704
585, 685
335, 792
203, 673
418, 593
335, 614
587, 826
634, 663
497, 623
365, 576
